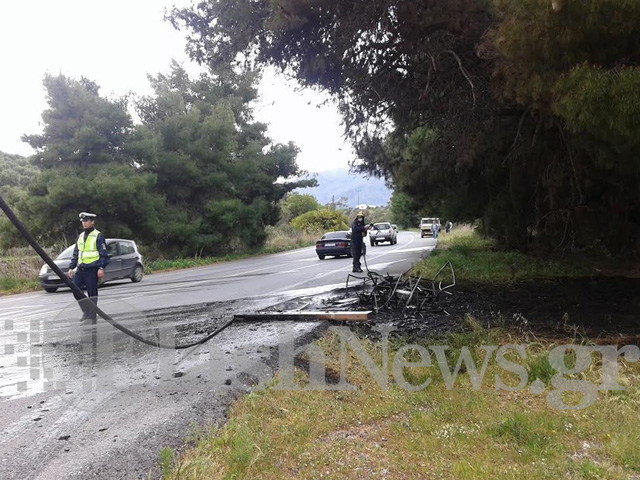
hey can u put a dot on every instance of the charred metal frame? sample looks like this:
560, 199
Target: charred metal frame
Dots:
406, 292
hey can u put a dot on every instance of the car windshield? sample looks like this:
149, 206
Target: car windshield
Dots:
382, 226
333, 235
67, 253
428, 220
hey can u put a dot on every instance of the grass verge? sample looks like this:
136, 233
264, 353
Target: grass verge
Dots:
476, 259
19, 271
461, 430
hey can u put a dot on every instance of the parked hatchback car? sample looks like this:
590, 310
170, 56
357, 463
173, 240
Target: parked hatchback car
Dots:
125, 262
382, 232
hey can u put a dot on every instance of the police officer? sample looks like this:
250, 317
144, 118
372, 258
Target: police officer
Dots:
358, 232
90, 256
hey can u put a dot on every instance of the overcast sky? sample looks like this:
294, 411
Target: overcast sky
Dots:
117, 43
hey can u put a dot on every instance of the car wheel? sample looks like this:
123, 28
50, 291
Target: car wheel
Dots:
137, 274
321, 257
50, 289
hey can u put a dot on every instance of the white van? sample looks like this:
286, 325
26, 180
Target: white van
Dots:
425, 225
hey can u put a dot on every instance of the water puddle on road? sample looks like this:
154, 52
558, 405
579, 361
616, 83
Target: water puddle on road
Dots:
70, 358
44, 354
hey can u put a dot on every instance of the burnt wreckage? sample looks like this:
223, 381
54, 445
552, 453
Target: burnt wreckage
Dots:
410, 294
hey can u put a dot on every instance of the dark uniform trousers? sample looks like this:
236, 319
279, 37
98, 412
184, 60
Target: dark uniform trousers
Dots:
356, 253
88, 277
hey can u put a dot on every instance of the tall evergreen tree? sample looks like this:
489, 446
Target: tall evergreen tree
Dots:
85, 166
221, 175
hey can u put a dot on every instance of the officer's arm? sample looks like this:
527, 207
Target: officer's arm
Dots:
74, 258
74, 261
103, 261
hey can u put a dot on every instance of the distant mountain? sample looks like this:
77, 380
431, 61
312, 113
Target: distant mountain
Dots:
336, 184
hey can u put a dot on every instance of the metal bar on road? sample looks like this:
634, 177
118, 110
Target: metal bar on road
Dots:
359, 316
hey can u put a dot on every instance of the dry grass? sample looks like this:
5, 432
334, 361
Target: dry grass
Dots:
19, 269
285, 237
477, 259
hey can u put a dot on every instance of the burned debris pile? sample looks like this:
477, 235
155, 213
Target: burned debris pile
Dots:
416, 306
405, 294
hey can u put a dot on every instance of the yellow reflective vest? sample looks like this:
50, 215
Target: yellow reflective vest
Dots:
88, 250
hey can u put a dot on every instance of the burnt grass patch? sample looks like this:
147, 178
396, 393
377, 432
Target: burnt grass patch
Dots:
601, 309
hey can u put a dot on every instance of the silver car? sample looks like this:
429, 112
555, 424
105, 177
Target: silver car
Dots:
382, 232
125, 262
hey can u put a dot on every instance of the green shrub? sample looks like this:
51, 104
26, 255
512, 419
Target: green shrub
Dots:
320, 221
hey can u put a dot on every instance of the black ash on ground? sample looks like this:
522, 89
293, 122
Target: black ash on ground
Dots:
601, 309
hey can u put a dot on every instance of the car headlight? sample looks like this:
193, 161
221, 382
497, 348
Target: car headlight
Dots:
44, 269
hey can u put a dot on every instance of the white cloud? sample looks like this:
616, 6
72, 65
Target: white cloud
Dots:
117, 43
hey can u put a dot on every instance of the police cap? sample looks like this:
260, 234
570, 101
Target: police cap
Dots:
87, 216
360, 214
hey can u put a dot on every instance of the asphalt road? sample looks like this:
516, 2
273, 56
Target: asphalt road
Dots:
84, 402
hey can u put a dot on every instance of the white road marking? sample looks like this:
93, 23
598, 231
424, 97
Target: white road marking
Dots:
428, 248
380, 266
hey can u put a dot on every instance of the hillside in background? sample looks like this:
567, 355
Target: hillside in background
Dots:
336, 184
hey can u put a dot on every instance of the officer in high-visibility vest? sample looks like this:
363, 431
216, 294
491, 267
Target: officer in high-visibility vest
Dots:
90, 257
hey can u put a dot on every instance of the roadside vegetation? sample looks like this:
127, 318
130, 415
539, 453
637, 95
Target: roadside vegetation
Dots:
506, 425
521, 114
479, 259
436, 432
19, 269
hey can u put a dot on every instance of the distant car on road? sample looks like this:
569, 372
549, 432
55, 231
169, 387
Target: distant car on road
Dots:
124, 262
382, 232
334, 244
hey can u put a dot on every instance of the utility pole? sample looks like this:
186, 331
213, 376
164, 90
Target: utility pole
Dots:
358, 191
